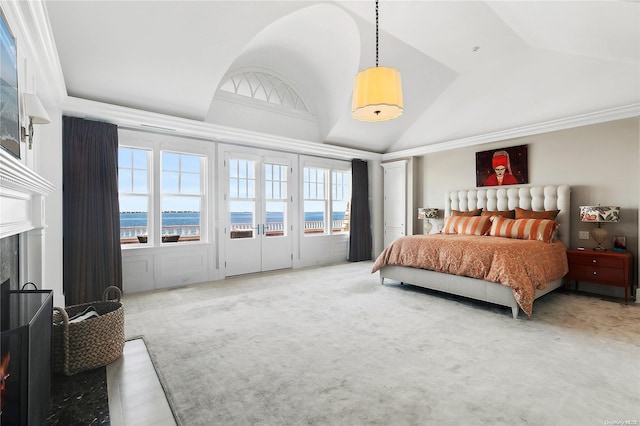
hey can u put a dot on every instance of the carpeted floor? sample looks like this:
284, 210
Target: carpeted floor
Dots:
333, 346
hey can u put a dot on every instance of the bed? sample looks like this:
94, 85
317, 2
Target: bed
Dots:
487, 286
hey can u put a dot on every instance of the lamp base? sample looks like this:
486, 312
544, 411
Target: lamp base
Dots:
599, 235
427, 227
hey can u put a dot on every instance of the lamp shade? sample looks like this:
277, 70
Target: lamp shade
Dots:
427, 213
34, 109
599, 214
377, 95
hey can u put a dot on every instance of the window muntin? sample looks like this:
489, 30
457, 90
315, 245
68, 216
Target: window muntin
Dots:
265, 87
133, 188
182, 196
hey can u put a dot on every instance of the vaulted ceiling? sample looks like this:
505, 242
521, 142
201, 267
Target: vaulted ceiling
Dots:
468, 67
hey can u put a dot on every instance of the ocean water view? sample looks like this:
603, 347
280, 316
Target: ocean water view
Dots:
133, 219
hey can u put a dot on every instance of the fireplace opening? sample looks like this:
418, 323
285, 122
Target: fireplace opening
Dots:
10, 260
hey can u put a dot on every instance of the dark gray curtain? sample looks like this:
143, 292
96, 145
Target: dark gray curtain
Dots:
92, 260
360, 234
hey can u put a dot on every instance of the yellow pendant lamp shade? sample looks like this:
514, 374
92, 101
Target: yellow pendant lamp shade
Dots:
377, 95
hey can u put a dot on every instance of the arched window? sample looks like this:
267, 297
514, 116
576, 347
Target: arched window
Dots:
262, 86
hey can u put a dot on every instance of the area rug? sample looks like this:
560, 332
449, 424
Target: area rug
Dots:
331, 346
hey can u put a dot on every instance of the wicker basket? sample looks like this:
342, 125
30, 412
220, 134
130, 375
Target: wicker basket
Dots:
91, 343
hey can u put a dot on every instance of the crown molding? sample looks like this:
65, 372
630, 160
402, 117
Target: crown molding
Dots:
167, 124
617, 113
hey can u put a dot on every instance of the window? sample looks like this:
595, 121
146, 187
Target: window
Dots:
133, 186
182, 197
264, 87
275, 193
326, 211
178, 180
315, 200
242, 197
340, 201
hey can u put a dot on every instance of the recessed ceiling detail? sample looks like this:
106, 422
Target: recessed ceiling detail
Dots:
264, 87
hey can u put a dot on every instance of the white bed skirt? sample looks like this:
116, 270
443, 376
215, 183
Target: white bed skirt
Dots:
473, 288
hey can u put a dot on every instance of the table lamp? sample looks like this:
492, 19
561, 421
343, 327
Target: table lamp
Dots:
599, 215
428, 214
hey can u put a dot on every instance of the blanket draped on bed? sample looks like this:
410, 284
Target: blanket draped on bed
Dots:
523, 265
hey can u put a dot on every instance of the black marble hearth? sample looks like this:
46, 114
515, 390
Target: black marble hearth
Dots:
80, 399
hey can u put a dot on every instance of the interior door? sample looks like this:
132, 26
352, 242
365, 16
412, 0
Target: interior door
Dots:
394, 201
258, 212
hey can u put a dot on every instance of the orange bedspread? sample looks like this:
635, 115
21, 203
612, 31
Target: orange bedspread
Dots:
523, 265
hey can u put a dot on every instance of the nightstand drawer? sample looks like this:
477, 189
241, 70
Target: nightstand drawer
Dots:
612, 276
587, 259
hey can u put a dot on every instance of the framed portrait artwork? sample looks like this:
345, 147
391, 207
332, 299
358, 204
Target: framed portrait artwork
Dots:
10, 111
504, 166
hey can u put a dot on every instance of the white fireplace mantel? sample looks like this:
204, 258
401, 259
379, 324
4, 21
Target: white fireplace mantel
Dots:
22, 197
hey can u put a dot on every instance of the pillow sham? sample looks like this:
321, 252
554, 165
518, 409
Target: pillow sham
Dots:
475, 212
467, 225
532, 214
509, 214
524, 229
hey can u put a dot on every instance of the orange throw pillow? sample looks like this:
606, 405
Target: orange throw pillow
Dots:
532, 214
467, 225
524, 229
475, 212
509, 214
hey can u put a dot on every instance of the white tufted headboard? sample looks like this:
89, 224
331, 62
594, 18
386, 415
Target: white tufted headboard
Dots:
551, 197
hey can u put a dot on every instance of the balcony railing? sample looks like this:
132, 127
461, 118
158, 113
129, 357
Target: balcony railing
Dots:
277, 228
131, 234
135, 234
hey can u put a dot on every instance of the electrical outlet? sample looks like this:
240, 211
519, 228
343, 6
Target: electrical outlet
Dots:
583, 235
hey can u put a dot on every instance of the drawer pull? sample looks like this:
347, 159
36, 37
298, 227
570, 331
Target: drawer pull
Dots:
594, 261
595, 273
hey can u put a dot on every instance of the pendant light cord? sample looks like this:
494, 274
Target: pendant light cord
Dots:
376, 33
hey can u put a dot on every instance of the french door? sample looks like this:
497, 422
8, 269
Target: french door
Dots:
257, 212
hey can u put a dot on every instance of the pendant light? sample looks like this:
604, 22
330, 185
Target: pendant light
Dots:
377, 92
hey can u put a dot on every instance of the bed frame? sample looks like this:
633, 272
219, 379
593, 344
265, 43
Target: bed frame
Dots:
552, 197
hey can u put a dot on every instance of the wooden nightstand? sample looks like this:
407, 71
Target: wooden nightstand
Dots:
600, 267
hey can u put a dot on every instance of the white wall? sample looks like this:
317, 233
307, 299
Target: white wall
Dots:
376, 205
48, 153
600, 162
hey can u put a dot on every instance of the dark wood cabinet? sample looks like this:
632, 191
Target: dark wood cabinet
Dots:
605, 268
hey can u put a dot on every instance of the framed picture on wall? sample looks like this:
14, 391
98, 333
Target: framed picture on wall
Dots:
10, 111
505, 166
620, 244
